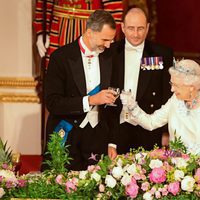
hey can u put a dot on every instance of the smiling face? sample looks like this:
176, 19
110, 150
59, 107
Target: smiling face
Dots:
98, 41
135, 26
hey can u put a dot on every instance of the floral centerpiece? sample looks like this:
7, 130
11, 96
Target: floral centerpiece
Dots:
158, 174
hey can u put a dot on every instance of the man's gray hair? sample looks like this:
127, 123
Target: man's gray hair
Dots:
188, 70
98, 19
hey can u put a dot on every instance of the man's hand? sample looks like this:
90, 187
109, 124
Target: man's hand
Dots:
42, 48
112, 153
102, 97
165, 139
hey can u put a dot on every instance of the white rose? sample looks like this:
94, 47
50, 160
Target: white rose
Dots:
119, 162
187, 184
180, 162
178, 175
155, 163
126, 167
117, 172
132, 169
147, 196
82, 174
2, 192
126, 179
110, 181
8, 175
96, 176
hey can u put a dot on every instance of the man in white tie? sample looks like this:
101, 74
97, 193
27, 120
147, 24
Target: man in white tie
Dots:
139, 66
76, 85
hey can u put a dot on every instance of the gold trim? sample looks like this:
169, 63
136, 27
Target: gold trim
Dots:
19, 98
9, 82
58, 14
71, 9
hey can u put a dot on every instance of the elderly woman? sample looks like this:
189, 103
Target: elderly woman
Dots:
181, 112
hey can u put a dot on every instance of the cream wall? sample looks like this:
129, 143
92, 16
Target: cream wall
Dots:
20, 110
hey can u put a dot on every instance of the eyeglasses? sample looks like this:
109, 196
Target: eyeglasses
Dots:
175, 85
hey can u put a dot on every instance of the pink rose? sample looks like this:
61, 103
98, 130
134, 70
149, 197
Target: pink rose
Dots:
145, 186
158, 154
157, 175
101, 188
197, 175
132, 189
70, 186
185, 156
59, 179
174, 187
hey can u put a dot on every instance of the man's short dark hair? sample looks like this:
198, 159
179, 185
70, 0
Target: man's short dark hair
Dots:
98, 19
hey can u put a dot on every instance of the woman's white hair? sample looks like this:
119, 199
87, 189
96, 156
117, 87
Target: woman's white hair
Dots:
188, 71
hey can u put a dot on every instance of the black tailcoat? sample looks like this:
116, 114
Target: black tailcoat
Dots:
153, 91
65, 88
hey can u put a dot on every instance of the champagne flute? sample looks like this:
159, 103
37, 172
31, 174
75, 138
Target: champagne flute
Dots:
127, 95
116, 95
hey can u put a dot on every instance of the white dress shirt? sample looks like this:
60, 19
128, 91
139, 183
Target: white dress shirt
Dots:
133, 55
92, 76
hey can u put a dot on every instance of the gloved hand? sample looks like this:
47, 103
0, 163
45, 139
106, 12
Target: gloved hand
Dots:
42, 48
131, 103
125, 97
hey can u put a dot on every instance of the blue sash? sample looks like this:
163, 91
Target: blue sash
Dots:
94, 91
64, 127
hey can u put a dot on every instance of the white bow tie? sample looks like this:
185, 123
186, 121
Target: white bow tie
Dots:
132, 48
91, 54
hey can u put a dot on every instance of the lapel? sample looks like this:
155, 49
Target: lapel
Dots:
144, 75
76, 66
105, 64
119, 61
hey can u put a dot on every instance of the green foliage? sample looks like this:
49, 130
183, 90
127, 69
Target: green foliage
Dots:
5, 152
177, 145
58, 154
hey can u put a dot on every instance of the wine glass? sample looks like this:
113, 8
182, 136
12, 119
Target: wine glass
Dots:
116, 95
127, 94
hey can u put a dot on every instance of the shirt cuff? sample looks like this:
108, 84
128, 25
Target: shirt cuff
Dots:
112, 145
86, 106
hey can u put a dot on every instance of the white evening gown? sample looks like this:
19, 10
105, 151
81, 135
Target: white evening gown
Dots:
186, 123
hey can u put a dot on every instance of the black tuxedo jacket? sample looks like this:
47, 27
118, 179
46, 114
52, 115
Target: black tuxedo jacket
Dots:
153, 91
65, 85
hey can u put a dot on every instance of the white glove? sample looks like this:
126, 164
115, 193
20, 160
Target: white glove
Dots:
124, 99
131, 103
42, 48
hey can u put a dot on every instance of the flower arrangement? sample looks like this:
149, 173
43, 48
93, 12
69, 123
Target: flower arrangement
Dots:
158, 174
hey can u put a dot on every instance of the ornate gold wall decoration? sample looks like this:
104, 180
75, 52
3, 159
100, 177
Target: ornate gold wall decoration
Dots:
19, 98
8, 84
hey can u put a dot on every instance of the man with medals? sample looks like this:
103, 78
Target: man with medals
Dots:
139, 66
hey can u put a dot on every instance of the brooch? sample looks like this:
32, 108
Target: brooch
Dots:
152, 63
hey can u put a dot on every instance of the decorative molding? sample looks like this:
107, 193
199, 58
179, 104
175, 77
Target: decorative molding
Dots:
19, 98
12, 83
8, 82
